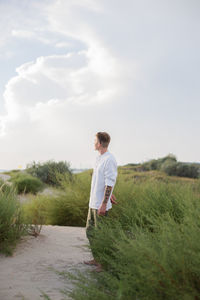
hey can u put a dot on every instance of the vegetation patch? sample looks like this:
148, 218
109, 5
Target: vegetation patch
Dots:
149, 245
49, 172
25, 183
11, 221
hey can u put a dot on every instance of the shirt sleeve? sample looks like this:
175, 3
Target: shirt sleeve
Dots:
110, 172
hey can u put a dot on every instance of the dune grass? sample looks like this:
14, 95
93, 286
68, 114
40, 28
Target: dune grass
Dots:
67, 207
12, 226
149, 246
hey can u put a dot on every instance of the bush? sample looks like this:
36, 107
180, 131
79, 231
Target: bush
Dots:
169, 167
11, 221
187, 170
50, 171
156, 164
25, 183
181, 169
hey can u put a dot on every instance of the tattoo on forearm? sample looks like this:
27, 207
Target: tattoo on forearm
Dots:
107, 193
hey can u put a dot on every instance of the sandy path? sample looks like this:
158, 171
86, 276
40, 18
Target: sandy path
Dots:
29, 270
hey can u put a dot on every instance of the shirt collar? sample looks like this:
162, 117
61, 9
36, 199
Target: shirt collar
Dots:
100, 155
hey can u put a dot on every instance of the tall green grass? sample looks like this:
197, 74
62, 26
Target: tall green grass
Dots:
68, 207
11, 221
149, 246
4, 186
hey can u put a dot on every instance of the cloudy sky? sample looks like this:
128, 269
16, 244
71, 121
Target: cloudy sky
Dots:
71, 68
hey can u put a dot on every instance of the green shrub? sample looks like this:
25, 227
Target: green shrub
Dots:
25, 183
11, 221
187, 170
181, 169
50, 171
156, 164
169, 167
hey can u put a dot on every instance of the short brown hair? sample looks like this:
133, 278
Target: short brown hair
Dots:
104, 138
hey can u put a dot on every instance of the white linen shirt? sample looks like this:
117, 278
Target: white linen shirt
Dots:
104, 173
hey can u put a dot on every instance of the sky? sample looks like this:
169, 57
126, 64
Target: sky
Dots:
72, 68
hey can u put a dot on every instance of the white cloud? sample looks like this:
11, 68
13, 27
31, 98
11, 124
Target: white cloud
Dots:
71, 79
64, 76
63, 45
37, 34
22, 33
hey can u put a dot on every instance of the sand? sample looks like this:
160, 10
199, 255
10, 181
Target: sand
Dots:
31, 268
